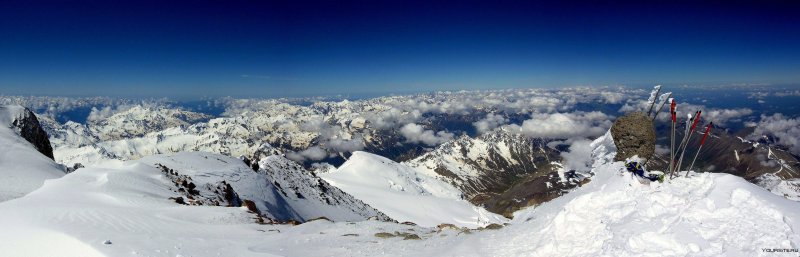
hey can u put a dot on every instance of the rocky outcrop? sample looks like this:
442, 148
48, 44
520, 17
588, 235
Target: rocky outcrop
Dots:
634, 135
500, 170
27, 125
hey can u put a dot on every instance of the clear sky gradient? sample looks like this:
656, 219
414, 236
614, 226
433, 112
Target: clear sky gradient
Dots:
285, 48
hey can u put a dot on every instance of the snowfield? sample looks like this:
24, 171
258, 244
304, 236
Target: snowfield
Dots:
405, 194
124, 209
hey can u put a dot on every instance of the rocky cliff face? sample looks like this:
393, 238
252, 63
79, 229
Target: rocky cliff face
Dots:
634, 135
500, 170
27, 126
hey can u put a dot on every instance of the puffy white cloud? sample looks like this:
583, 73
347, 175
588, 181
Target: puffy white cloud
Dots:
612, 97
565, 125
579, 156
314, 153
766, 162
415, 133
54, 106
662, 150
341, 145
99, 114
723, 116
716, 115
785, 131
331, 137
491, 122
392, 118
326, 131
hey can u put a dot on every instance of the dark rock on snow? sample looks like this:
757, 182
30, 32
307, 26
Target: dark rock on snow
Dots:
28, 127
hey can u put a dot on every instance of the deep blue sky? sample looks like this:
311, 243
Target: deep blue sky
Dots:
267, 48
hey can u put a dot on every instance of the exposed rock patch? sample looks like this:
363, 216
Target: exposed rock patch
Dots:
29, 128
634, 134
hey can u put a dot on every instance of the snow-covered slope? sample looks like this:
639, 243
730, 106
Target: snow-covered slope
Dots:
281, 189
22, 168
614, 214
309, 196
617, 215
406, 194
128, 205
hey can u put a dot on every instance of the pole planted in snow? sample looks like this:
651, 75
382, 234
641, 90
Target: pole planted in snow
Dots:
702, 141
686, 132
672, 137
686, 139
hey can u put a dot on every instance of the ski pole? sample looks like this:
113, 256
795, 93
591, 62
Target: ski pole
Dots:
685, 134
702, 141
655, 98
687, 138
662, 106
672, 137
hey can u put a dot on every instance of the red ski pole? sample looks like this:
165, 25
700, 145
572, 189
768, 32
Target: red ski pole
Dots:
702, 141
672, 137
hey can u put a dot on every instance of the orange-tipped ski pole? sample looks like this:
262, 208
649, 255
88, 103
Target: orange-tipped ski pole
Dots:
702, 141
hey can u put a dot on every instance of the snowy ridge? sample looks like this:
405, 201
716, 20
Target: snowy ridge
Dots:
172, 140
503, 170
23, 169
281, 189
140, 120
405, 194
478, 165
789, 188
312, 197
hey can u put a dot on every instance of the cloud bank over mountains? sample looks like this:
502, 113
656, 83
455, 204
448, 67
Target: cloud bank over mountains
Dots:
565, 125
784, 130
321, 127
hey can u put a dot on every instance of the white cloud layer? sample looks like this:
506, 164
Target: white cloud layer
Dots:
415, 133
785, 131
565, 125
579, 156
489, 123
314, 153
